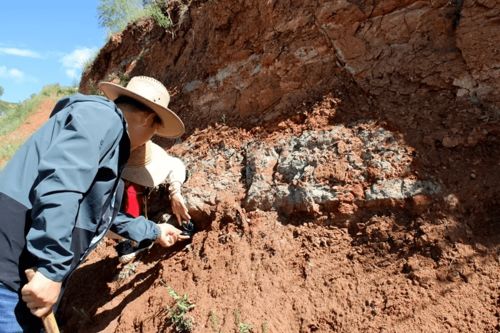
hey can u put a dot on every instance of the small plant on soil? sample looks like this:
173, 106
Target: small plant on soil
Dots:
241, 326
127, 271
265, 327
245, 328
177, 314
214, 322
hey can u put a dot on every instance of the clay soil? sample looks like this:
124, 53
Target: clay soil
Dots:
421, 265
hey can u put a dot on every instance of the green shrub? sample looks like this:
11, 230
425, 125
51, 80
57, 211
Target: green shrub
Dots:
115, 15
154, 10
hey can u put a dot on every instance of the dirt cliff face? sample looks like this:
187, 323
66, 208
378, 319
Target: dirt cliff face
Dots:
246, 61
342, 158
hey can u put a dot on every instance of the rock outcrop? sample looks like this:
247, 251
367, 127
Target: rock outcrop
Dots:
249, 61
342, 158
425, 70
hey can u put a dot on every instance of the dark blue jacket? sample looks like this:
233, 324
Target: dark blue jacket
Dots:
61, 191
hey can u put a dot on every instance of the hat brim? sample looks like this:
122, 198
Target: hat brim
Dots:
152, 174
171, 125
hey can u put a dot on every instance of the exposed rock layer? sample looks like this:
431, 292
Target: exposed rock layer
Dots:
350, 184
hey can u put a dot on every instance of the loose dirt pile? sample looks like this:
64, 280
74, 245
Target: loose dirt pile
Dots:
343, 159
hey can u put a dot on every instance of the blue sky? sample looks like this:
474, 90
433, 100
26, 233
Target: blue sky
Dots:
45, 42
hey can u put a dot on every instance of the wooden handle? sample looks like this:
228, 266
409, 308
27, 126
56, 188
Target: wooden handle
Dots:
49, 321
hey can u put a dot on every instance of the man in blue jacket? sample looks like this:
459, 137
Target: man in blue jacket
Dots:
61, 192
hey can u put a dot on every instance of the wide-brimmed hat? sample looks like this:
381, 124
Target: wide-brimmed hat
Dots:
146, 165
154, 95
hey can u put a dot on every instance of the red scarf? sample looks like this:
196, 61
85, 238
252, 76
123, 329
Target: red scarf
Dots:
132, 200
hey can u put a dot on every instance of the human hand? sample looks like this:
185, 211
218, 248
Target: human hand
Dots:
169, 235
179, 208
40, 293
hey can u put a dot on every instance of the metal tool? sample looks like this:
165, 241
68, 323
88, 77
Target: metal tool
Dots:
187, 228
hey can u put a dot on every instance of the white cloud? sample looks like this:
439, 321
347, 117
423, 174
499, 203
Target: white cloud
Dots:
72, 73
16, 74
12, 73
73, 62
19, 52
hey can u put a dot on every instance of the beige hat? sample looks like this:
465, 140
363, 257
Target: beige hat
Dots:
146, 165
153, 94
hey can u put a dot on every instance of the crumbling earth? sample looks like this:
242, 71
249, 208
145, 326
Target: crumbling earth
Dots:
343, 159
356, 242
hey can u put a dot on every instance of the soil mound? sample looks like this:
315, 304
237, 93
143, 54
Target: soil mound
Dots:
342, 158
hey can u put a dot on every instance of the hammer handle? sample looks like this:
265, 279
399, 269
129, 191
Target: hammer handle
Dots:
49, 320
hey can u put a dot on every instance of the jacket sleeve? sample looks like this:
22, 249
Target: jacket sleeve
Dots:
136, 229
65, 172
176, 176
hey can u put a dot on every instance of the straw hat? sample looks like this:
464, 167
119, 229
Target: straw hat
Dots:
146, 165
153, 94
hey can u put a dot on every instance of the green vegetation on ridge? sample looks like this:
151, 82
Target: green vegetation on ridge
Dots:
13, 115
6, 107
115, 15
